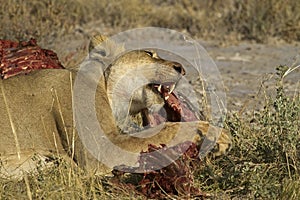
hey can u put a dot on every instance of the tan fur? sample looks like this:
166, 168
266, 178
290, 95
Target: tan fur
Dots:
37, 121
127, 72
121, 75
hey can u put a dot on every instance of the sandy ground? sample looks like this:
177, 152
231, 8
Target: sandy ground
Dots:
245, 65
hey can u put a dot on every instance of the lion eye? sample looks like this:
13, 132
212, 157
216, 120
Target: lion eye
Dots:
153, 54
149, 53
178, 67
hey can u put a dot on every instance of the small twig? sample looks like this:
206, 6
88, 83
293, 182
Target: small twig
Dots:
290, 70
11, 124
73, 117
29, 194
62, 117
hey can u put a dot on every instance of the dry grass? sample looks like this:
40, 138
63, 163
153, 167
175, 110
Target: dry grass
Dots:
265, 161
250, 19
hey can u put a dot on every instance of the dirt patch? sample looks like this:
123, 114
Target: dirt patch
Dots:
245, 65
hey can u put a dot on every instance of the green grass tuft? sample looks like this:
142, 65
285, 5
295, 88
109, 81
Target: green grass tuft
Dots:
265, 160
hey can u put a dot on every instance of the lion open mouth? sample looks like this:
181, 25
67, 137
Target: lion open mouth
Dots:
177, 107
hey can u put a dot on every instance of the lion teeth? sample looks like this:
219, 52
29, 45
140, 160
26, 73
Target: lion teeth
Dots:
159, 88
172, 89
167, 97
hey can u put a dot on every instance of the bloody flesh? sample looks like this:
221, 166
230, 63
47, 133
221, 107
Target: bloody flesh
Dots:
176, 108
24, 57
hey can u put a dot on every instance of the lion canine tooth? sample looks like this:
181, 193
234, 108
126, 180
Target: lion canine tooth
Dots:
167, 97
159, 88
172, 89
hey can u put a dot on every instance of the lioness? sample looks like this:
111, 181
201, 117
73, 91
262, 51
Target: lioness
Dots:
37, 119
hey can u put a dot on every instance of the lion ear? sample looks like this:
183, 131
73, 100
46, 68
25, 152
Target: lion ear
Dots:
104, 50
96, 40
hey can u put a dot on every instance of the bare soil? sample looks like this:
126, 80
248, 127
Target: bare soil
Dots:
245, 65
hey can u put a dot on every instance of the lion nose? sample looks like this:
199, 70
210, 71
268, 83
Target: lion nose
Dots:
178, 67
